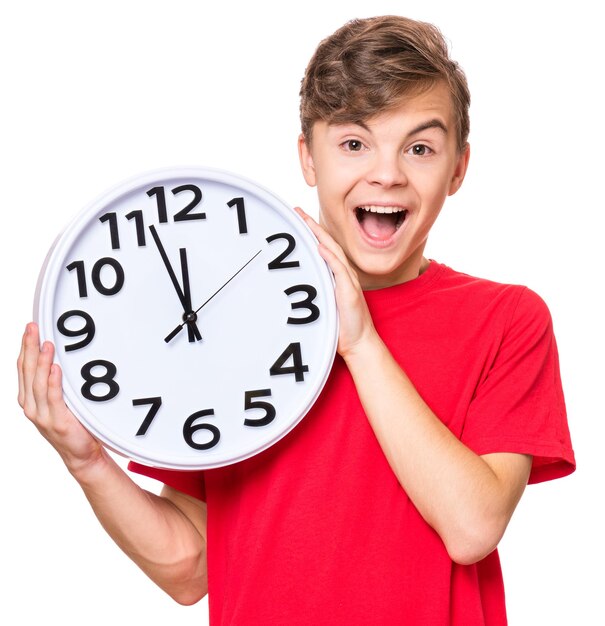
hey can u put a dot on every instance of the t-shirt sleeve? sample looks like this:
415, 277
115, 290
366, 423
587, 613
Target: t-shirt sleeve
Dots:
191, 483
519, 405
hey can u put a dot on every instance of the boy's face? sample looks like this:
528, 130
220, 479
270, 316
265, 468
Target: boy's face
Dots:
381, 185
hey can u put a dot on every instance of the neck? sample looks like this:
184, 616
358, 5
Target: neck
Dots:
370, 282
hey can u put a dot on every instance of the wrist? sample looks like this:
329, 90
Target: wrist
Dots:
93, 469
364, 351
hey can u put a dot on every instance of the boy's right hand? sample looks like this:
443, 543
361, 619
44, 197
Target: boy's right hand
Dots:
41, 398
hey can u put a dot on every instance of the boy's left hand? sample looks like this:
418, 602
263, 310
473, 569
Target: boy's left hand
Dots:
356, 325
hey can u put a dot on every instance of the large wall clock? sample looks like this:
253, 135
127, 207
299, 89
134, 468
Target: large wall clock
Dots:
193, 318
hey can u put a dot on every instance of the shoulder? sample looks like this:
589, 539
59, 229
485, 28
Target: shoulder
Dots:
505, 312
513, 318
520, 301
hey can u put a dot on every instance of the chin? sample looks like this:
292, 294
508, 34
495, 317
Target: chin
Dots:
376, 275
378, 270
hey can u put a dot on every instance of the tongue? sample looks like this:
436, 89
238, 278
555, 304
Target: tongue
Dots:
379, 225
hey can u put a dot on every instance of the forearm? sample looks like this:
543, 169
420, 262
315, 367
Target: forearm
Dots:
455, 490
150, 529
164, 536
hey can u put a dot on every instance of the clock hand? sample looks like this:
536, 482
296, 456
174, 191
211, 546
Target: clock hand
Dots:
178, 329
226, 283
189, 316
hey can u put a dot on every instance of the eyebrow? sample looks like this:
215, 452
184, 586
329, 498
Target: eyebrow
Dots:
434, 123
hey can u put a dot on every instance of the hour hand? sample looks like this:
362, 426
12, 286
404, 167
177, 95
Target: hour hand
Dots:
184, 294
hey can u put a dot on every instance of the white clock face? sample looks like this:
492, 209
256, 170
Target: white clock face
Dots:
193, 318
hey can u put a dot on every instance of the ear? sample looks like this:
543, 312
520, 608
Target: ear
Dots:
460, 171
306, 161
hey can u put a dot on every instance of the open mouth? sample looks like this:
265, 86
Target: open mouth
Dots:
380, 222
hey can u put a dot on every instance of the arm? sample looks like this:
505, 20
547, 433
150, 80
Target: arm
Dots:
164, 535
468, 499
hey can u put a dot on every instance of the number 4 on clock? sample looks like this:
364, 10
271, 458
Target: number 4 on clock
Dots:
297, 368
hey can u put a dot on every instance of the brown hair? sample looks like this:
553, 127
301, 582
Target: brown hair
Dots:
367, 66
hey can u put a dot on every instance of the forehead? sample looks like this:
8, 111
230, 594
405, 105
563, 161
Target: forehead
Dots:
432, 103
430, 106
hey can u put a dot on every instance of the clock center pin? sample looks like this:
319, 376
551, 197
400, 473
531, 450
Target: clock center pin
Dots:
190, 317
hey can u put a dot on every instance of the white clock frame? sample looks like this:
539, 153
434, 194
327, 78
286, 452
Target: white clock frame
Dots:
135, 317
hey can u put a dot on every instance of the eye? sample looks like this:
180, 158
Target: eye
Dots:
420, 149
352, 145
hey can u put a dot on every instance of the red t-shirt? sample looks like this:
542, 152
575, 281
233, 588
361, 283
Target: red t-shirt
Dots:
317, 530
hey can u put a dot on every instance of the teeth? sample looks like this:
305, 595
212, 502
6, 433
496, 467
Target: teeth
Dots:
372, 208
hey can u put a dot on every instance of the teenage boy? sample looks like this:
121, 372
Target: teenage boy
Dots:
386, 504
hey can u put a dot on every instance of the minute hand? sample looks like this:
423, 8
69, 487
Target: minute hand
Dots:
178, 329
183, 296
189, 315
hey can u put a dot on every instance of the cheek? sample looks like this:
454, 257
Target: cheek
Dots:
331, 221
333, 218
332, 193
335, 176
434, 188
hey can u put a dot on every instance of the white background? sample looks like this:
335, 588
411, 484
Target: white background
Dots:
95, 92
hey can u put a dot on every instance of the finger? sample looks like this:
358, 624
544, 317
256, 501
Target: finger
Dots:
56, 402
77, 442
346, 281
21, 395
63, 418
323, 236
31, 352
40, 382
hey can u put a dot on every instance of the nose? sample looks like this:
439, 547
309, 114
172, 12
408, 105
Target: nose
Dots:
387, 170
